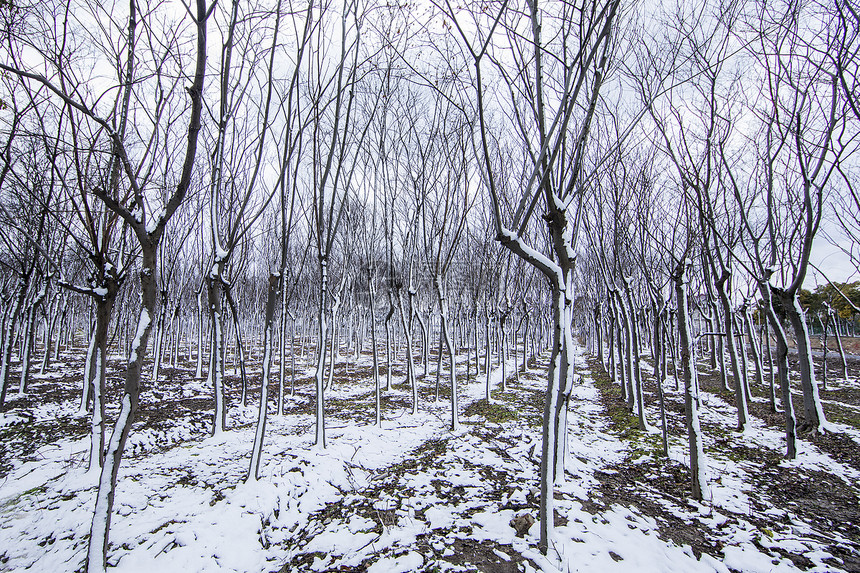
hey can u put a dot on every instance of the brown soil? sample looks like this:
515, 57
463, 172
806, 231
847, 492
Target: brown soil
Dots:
817, 498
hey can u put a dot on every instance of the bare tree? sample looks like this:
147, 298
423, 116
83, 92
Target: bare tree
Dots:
574, 54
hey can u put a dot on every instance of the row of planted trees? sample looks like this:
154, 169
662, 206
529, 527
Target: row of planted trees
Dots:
236, 175
702, 237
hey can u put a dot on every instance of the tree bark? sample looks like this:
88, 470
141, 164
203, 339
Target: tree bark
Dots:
446, 336
723, 284
322, 334
813, 411
698, 466
260, 433
782, 368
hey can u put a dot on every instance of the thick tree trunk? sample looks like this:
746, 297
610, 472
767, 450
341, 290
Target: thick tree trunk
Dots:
813, 411
9, 339
782, 368
99, 531
27, 341
97, 376
553, 405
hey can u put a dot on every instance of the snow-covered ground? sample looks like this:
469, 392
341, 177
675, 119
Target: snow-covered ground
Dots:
407, 496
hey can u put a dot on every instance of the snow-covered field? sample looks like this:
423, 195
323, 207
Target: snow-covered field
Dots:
410, 495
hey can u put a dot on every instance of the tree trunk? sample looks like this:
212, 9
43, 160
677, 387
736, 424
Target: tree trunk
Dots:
839, 344
259, 435
813, 411
598, 331
627, 379
407, 330
660, 370
96, 377
240, 348
27, 342
9, 339
388, 342
782, 368
771, 370
698, 466
723, 285
322, 335
446, 336
334, 340
160, 326
377, 386
487, 344
557, 372
100, 529
198, 370
282, 348
216, 352
425, 342
637, 372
